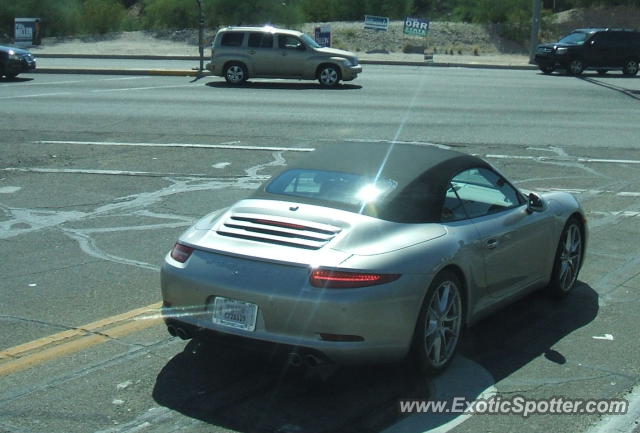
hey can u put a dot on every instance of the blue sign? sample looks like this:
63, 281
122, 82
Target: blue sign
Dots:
322, 35
27, 31
416, 26
376, 23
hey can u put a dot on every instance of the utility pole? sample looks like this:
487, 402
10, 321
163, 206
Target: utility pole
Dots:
201, 38
535, 30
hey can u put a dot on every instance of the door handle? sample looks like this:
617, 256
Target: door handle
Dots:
252, 52
492, 243
284, 53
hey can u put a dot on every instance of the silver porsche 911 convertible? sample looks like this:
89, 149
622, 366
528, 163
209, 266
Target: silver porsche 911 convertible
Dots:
371, 253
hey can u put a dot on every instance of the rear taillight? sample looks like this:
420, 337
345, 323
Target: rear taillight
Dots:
181, 252
346, 280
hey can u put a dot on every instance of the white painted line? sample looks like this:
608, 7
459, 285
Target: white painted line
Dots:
40, 95
591, 191
610, 161
564, 159
229, 145
221, 165
53, 83
417, 143
102, 172
9, 189
127, 89
126, 173
625, 213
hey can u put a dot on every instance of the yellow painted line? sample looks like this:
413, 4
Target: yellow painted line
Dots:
19, 359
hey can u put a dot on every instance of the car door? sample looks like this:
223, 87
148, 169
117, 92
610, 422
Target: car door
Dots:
515, 243
600, 50
261, 52
292, 55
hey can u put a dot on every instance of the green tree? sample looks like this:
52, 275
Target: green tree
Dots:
258, 12
173, 14
102, 16
59, 17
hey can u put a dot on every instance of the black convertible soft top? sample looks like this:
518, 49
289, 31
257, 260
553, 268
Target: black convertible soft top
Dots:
422, 174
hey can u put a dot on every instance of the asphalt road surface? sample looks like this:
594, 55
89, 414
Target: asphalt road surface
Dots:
100, 174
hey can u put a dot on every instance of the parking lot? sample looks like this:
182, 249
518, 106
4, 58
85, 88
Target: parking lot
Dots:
100, 174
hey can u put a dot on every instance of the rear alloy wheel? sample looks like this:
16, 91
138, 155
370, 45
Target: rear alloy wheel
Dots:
568, 259
328, 76
235, 73
439, 327
575, 67
630, 68
546, 69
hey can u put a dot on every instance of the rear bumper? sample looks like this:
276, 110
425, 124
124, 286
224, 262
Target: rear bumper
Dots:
293, 313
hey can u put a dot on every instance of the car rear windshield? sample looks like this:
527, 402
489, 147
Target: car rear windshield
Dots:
333, 186
575, 38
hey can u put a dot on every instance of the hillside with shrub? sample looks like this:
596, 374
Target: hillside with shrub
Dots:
510, 19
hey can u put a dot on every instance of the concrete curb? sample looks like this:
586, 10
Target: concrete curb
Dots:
447, 65
197, 59
194, 73
109, 71
115, 57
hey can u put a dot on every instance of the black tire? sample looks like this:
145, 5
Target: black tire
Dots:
602, 72
546, 69
329, 75
575, 67
440, 324
235, 73
568, 259
630, 67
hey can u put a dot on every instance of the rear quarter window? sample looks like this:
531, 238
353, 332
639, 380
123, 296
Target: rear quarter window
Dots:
232, 39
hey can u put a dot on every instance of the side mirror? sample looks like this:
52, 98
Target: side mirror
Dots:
535, 203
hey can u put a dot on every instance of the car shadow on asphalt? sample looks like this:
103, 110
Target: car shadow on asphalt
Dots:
506, 341
281, 86
632, 93
255, 393
15, 80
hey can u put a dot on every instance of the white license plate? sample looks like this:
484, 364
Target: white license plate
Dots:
234, 313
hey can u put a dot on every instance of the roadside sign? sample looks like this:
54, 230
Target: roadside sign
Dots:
376, 23
322, 35
27, 32
416, 26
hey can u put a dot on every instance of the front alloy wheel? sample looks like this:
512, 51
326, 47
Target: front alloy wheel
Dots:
568, 259
630, 68
440, 324
329, 76
235, 73
575, 67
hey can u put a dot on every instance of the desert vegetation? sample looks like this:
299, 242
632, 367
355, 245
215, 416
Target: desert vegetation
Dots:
78, 17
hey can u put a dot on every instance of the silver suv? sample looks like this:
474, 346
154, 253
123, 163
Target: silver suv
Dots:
239, 53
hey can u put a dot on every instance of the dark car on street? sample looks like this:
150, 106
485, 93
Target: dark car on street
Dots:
14, 61
596, 48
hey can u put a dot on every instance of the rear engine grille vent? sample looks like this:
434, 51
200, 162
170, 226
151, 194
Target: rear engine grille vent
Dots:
278, 230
